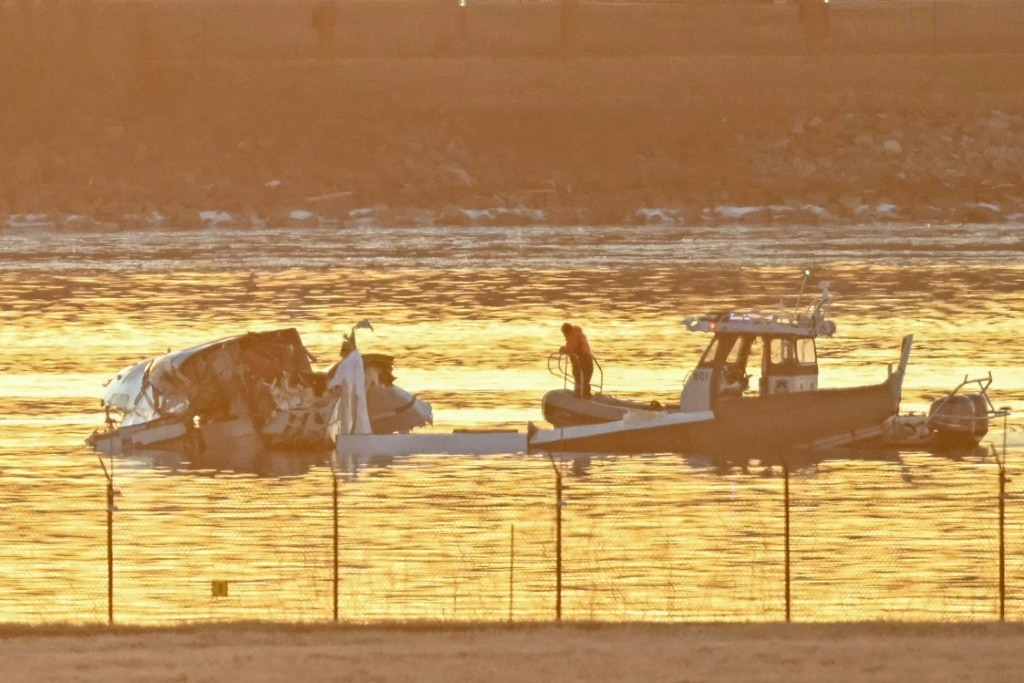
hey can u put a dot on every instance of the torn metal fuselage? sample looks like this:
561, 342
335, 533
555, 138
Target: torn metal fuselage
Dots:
256, 391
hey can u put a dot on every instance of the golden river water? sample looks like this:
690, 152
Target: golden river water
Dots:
471, 315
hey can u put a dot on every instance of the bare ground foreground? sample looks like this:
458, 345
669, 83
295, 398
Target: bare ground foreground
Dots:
766, 652
115, 110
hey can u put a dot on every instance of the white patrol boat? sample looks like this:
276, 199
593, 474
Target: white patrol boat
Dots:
722, 407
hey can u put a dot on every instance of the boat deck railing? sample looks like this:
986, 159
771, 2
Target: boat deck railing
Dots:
560, 365
982, 384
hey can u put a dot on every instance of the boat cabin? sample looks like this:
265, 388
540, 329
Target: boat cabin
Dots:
756, 355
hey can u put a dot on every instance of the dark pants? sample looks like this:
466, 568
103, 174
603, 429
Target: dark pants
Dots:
582, 371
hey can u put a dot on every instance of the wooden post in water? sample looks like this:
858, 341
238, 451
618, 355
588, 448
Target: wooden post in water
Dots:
785, 496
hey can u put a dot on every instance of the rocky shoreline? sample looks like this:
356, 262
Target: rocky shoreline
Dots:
847, 167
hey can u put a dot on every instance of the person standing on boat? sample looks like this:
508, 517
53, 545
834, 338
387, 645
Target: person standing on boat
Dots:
578, 349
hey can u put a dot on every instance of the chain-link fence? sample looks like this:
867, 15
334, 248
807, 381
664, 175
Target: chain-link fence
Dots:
491, 539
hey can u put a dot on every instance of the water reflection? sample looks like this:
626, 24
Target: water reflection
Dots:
351, 467
214, 463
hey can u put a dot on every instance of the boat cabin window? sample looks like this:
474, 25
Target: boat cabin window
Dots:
754, 359
745, 348
735, 376
805, 352
735, 353
710, 352
784, 351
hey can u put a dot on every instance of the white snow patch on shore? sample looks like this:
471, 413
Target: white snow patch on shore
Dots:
215, 217
736, 211
654, 215
30, 220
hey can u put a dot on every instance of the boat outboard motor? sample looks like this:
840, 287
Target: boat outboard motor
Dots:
959, 420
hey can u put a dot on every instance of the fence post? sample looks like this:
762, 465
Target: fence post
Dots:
558, 538
511, 569
108, 474
1002, 538
1001, 462
334, 497
785, 498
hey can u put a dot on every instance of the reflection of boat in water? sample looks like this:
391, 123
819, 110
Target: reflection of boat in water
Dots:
795, 460
754, 388
248, 393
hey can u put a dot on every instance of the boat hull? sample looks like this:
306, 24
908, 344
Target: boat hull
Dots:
742, 424
780, 421
636, 433
160, 433
562, 408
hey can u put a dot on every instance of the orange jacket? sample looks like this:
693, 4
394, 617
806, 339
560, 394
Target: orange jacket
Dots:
576, 342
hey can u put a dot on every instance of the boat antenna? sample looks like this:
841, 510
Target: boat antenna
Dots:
803, 284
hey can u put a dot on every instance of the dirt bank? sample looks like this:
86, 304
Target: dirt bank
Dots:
986, 653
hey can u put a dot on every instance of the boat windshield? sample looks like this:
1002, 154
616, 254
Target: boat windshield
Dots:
792, 351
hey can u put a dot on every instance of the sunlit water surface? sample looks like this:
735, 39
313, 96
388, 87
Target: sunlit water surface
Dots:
471, 315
